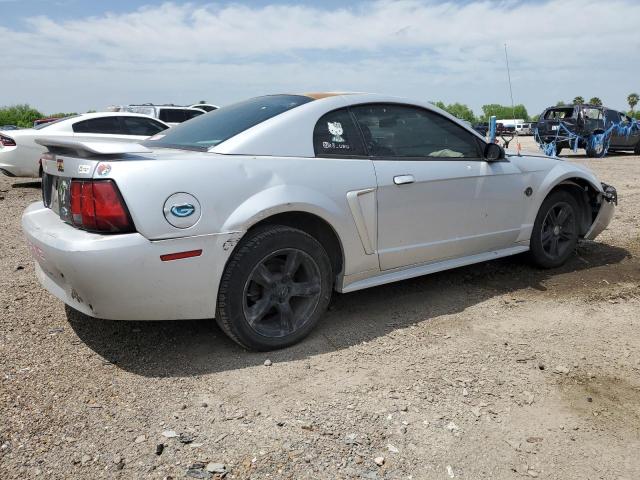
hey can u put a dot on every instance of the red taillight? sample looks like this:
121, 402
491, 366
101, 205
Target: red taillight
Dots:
96, 205
7, 141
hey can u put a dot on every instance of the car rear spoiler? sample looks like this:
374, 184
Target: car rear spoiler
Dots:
89, 148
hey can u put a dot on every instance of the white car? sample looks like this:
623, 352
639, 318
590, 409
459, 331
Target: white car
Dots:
170, 114
254, 213
20, 154
207, 107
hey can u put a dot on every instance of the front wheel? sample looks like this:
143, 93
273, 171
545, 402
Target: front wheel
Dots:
555, 230
274, 289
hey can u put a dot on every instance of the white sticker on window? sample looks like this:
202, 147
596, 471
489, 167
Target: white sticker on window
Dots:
335, 129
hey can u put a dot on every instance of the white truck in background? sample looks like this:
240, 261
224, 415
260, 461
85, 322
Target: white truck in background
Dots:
521, 127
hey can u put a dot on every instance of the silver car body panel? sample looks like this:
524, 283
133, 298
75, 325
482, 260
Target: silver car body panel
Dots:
456, 212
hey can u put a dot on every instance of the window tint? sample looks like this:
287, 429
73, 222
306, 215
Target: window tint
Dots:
404, 131
109, 125
337, 134
215, 127
172, 115
189, 114
142, 126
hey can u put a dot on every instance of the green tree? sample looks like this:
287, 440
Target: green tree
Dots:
595, 101
578, 100
560, 103
458, 110
62, 114
632, 100
20, 115
504, 112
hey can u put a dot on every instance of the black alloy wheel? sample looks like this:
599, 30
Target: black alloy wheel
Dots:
282, 293
274, 289
555, 231
558, 230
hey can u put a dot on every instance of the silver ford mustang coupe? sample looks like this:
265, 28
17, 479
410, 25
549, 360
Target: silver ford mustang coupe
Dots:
254, 213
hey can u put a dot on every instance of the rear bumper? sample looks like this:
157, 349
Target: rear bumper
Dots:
121, 277
605, 214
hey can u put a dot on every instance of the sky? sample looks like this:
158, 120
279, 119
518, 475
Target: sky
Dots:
75, 55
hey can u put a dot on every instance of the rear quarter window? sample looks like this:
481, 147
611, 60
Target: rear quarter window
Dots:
336, 134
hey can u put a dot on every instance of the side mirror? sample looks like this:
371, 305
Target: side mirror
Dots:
493, 152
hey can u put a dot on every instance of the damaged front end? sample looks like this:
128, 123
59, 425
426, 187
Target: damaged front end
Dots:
607, 202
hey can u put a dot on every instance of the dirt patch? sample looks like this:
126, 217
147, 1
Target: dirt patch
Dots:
606, 401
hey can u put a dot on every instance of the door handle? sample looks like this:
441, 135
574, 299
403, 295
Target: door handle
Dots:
403, 179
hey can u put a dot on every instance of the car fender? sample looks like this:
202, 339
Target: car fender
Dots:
562, 172
295, 198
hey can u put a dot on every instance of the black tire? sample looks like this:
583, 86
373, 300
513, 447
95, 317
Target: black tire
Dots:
558, 150
555, 230
275, 287
636, 150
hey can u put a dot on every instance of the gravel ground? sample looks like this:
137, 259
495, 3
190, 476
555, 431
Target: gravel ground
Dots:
496, 370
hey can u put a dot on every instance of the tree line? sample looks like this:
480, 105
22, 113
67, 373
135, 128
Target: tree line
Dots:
24, 115
463, 111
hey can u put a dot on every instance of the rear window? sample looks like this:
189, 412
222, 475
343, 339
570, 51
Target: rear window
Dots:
53, 122
215, 127
142, 126
189, 114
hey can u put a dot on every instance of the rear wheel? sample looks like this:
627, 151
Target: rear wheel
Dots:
637, 149
274, 289
596, 146
558, 149
555, 231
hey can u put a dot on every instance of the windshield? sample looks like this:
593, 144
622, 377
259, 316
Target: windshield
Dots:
213, 128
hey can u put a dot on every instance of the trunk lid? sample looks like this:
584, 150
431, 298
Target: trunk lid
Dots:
68, 159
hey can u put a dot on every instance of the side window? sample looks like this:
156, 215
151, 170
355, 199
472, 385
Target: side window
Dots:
108, 125
592, 113
189, 114
404, 131
172, 115
337, 134
142, 126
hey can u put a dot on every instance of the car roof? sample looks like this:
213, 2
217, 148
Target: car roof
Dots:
296, 124
63, 123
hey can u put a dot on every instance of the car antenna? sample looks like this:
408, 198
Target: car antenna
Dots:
513, 108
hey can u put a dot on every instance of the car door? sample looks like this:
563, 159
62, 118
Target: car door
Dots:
623, 137
437, 197
614, 118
